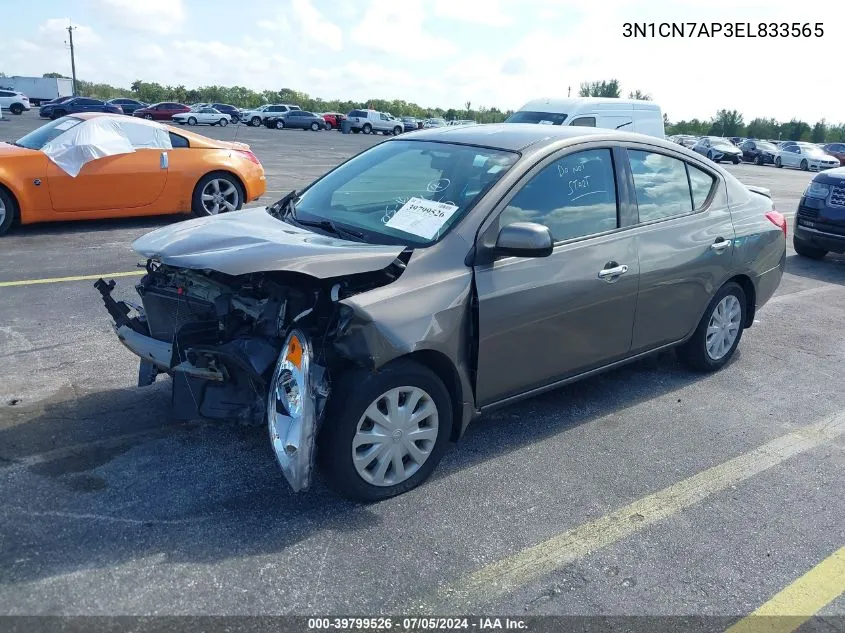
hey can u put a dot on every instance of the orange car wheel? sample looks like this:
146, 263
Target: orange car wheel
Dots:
8, 211
217, 192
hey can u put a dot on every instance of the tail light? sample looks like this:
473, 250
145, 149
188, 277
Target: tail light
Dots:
253, 158
776, 218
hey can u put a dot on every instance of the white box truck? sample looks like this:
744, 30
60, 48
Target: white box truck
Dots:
628, 115
39, 89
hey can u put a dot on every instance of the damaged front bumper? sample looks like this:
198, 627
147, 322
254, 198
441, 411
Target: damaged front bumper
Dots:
234, 379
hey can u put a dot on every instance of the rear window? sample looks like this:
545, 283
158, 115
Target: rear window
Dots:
358, 113
178, 141
527, 116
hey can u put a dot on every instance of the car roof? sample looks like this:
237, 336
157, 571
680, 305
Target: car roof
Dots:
518, 136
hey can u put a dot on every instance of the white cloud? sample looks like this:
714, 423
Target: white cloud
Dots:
305, 25
156, 16
397, 29
481, 12
54, 32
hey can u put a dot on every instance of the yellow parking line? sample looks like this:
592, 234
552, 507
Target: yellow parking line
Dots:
508, 574
798, 602
58, 280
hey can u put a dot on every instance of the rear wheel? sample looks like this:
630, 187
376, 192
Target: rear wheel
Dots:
8, 211
384, 431
805, 250
804, 165
718, 333
367, 128
149, 117
280, 125
216, 193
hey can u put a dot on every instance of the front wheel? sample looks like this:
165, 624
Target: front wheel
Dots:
710, 155
216, 193
315, 127
192, 120
805, 250
148, 117
804, 165
255, 121
223, 122
760, 160
397, 131
8, 212
280, 125
778, 162
16, 108
57, 114
718, 333
735, 160
384, 431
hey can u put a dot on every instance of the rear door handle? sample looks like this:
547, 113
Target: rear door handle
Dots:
612, 273
720, 245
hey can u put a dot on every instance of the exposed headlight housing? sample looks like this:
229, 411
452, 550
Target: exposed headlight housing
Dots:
817, 190
290, 382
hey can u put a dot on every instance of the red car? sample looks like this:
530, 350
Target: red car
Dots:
161, 111
334, 119
837, 150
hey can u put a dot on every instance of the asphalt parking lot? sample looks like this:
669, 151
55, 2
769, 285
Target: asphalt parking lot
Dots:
645, 491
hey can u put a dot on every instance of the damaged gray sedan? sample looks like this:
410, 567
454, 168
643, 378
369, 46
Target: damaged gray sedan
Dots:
370, 317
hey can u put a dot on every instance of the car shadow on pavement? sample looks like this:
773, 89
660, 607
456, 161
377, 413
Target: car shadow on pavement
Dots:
831, 269
94, 226
109, 478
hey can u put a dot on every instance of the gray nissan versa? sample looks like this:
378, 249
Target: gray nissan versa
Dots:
368, 318
820, 220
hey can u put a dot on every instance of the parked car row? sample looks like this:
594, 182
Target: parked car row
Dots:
797, 154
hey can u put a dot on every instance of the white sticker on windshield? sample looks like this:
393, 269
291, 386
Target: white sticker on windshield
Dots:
422, 217
66, 125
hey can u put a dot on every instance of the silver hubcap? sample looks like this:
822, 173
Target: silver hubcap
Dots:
219, 196
395, 436
723, 327
2, 211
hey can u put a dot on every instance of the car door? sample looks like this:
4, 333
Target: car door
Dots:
122, 181
545, 319
684, 239
749, 152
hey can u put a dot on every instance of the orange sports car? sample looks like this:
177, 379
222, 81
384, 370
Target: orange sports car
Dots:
90, 166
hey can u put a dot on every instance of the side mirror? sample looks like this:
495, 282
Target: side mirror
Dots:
524, 239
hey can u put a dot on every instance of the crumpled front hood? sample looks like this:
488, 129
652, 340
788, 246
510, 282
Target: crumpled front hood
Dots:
252, 240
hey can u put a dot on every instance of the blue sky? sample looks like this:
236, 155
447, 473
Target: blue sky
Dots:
443, 52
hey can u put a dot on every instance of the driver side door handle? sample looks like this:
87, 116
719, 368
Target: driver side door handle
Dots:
611, 274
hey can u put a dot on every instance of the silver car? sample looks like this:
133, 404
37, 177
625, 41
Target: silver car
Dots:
370, 317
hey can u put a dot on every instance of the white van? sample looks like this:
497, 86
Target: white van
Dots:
628, 115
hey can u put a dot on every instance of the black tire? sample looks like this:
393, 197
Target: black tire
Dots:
805, 250
397, 131
710, 154
328, 126
279, 124
778, 163
16, 108
197, 207
255, 121
192, 120
804, 165
352, 394
148, 117
11, 215
57, 114
736, 160
223, 122
760, 160
315, 127
694, 353
367, 129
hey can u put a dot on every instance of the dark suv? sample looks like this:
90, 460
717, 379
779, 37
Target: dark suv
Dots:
820, 221
231, 110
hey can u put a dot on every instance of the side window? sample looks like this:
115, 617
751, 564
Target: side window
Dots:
5, 94
661, 185
574, 196
701, 183
585, 121
178, 141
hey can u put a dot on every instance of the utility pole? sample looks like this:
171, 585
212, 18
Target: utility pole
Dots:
70, 30
568, 90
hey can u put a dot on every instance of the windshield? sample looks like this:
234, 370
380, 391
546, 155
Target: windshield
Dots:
769, 147
46, 133
404, 192
526, 116
813, 149
722, 143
